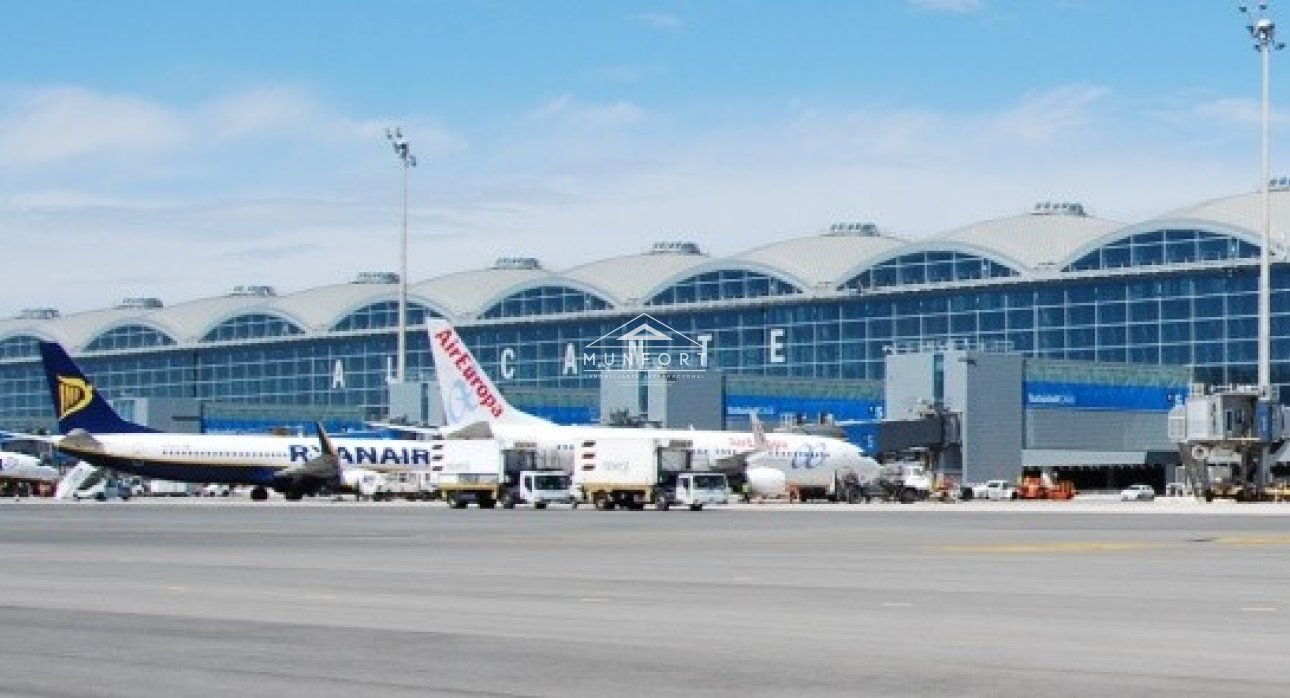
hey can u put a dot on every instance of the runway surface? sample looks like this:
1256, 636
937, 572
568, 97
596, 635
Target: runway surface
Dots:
148, 598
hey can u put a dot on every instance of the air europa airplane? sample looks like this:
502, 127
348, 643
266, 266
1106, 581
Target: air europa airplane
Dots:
93, 432
477, 409
20, 467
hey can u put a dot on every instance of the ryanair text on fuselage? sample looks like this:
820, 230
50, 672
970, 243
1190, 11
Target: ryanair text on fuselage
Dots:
365, 455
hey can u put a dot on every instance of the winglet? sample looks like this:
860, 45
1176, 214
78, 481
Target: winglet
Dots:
324, 442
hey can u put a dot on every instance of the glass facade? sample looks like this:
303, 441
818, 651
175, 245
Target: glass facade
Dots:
19, 347
383, 314
545, 300
251, 326
727, 284
1165, 247
1198, 315
928, 268
129, 337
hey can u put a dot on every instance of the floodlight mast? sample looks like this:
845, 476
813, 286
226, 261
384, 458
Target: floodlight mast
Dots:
404, 153
1263, 33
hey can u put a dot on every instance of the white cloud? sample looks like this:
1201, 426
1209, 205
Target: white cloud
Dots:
952, 6
659, 20
57, 124
1049, 114
297, 194
568, 110
261, 112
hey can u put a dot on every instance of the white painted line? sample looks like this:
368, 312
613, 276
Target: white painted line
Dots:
897, 605
1259, 609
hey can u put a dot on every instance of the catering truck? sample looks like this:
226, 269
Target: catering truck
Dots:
489, 471
635, 470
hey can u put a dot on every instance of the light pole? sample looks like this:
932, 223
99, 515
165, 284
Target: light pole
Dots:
409, 161
1263, 31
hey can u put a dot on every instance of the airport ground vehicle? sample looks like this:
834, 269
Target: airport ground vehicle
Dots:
489, 471
104, 489
993, 490
409, 484
903, 482
170, 488
1138, 493
1044, 487
633, 471
539, 488
216, 489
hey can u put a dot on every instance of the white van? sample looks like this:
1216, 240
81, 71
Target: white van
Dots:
103, 490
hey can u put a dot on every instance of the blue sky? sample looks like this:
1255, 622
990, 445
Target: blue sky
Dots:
245, 138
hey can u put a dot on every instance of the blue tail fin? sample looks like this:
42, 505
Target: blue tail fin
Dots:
76, 402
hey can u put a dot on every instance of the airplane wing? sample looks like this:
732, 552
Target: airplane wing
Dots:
6, 436
733, 463
473, 430
476, 430
325, 467
408, 428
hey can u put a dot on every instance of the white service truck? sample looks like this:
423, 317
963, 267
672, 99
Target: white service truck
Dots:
904, 482
632, 471
412, 485
489, 471
993, 490
170, 488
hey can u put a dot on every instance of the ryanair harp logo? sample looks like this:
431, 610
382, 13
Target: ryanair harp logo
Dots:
74, 394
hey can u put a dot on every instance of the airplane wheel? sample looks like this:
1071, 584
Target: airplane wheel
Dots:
259, 494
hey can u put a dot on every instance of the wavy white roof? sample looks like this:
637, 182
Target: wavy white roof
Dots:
1029, 241
822, 260
1034, 244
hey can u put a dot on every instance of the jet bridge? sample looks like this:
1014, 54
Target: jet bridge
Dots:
1226, 438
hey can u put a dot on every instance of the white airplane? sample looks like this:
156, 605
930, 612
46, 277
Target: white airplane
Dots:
20, 467
480, 411
295, 466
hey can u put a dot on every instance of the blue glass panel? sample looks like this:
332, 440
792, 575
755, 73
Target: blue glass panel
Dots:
251, 326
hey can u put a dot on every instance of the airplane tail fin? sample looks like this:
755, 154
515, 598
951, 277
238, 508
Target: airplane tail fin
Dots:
468, 394
78, 404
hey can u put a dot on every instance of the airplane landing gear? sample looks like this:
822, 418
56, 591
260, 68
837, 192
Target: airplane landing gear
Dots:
259, 494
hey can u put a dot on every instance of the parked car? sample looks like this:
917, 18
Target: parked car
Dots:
996, 490
216, 489
103, 490
1138, 493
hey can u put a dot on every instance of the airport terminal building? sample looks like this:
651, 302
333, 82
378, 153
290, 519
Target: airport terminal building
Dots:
1098, 319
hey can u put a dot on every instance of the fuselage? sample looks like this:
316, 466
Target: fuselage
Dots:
22, 467
234, 459
557, 444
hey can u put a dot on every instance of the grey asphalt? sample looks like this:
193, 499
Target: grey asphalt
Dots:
342, 599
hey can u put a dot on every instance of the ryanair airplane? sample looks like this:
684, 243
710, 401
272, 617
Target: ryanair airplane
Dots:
93, 432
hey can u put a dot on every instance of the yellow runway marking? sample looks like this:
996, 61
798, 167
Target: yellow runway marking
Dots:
1108, 546
1023, 548
1254, 540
